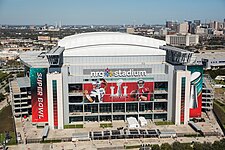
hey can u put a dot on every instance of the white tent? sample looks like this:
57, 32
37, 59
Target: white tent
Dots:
132, 122
142, 121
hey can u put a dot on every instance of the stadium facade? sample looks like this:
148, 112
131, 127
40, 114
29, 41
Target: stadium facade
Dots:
107, 76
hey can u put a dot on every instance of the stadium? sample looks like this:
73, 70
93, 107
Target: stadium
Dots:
108, 76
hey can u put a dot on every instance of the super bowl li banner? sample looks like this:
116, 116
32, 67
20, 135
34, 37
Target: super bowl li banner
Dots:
39, 94
118, 91
195, 101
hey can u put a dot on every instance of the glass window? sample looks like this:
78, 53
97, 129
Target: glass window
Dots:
160, 96
119, 107
75, 119
131, 107
145, 107
160, 106
161, 86
75, 108
161, 116
118, 117
91, 118
105, 118
92, 108
75, 99
74, 88
105, 108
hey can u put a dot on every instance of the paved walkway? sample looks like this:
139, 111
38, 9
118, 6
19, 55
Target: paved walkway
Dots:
105, 144
3, 104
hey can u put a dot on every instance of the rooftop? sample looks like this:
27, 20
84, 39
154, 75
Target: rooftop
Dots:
23, 82
175, 49
110, 44
18, 83
211, 55
35, 59
56, 51
15, 87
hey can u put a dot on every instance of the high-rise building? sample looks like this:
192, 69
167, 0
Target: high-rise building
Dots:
172, 25
197, 22
183, 28
192, 28
214, 25
220, 26
169, 24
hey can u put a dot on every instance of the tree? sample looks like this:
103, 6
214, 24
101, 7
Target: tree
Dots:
181, 146
2, 97
177, 146
207, 146
217, 145
222, 142
7, 88
20, 74
166, 146
197, 146
155, 147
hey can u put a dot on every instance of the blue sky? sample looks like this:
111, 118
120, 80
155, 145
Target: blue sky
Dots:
108, 11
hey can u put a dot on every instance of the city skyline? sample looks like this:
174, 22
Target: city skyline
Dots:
80, 12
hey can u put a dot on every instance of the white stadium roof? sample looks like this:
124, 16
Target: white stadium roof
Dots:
110, 44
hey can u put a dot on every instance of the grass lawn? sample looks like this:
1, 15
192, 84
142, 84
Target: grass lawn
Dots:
71, 126
219, 109
7, 124
106, 125
3, 76
164, 123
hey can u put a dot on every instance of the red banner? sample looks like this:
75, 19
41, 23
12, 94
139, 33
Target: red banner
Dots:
39, 94
119, 91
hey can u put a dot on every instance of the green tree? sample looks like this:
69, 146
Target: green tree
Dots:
197, 146
177, 146
166, 146
2, 97
207, 146
181, 146
20, 74
7, 88
155, 147
217, 145
222, 142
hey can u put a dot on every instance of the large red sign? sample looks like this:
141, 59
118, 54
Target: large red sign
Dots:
39, 94
118, 91
196, 112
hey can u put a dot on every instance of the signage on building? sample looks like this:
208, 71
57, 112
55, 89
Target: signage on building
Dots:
195, 102
136, 72
119, 91
39, 94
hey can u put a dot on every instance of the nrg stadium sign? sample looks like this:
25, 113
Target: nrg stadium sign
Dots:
119, 73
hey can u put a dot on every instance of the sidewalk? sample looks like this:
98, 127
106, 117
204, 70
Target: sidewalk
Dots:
3, 104
105, 144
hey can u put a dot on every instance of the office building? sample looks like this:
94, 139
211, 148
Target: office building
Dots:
183, 28
182, 40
